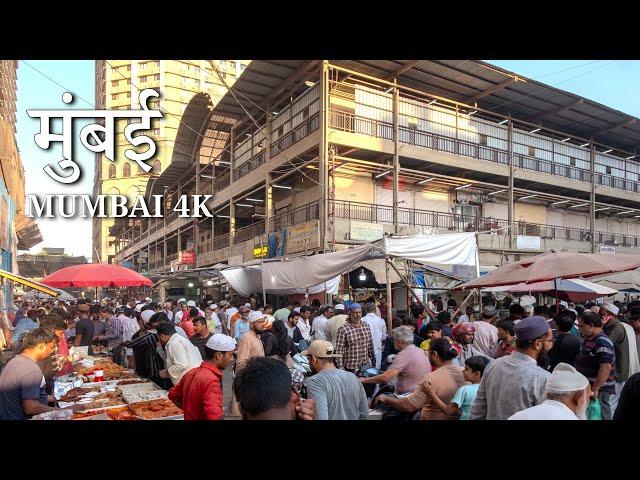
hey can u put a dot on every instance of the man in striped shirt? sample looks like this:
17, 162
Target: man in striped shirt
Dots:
355, 342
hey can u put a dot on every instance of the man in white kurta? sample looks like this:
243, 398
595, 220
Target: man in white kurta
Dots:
567, 397
182, 355
378, 329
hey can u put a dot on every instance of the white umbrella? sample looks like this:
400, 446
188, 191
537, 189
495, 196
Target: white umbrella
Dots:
569, 289
628, 281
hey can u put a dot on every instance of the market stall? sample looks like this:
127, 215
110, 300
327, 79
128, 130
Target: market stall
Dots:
99, 389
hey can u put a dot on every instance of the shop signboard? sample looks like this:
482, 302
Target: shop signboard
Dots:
368, 232
527, 242
303, 238
187, 257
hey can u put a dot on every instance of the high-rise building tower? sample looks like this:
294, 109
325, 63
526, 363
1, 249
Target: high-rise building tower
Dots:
8, 69
118, 84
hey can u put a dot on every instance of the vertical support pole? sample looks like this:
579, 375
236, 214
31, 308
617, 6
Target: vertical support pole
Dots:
510, 208
396, 158
268, 204
232, 221
389, 313
196, 224
324, 151
592, 204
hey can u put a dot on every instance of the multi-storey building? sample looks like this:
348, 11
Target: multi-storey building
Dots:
17, 232
117, 86
306, 156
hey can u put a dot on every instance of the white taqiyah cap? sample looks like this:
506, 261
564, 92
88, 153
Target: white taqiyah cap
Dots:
339, 307
297, 309
146, 315
254, 316
221, 343
247, 305
611, 308
566, 378
191, 303
182, 300
139, 307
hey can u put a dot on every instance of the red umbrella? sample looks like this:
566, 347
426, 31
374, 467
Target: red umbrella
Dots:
548, 266
96, 275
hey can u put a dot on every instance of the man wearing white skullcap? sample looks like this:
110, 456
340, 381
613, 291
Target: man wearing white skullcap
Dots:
614, 329
249, 346
567, 397
199, 392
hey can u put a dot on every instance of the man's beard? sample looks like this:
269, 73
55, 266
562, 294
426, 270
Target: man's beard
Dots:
581, 411
543, 359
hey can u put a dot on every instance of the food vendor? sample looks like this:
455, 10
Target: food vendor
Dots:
199, 392
22, 383
182, 355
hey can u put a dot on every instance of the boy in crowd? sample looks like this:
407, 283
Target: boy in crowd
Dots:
506, 335
461, 402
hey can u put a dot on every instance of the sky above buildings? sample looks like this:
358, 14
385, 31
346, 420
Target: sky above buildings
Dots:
612, 83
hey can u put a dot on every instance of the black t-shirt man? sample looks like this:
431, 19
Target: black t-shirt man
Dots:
200, 342
565, 349
85, 329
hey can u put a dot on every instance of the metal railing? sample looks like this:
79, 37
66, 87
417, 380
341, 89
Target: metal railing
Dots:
465, 223
221, 241
350, 122
222, 182
292, 137
250, 231
298, 215
251, 164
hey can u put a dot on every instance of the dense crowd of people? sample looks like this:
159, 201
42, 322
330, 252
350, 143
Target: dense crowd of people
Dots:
339, 361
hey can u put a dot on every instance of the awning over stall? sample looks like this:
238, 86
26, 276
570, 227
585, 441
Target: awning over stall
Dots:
28, 283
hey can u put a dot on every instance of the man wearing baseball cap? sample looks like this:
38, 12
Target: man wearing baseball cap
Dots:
567, 397
338, 394
515, 382
199, 392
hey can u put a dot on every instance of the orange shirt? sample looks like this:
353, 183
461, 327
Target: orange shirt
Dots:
445, 382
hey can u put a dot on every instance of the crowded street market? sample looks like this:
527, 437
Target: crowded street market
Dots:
504, 346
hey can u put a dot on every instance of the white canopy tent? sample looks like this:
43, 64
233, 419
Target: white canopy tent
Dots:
321, 272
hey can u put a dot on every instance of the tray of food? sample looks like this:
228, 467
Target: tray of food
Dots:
155, 409
132, 381
66, 414
96, 411
138, 387
111, 371
77, 393
136, 397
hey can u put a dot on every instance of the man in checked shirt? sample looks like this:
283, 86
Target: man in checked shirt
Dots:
354, 342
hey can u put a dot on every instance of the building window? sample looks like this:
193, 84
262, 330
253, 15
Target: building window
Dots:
128, 68
143, 79
114, 83
483, 139
156, 76
532, 151
128, 94
608, 170
242, 67
126, 170
305, 112
232, 64
114, 96
112, 171
572, 161
156, 131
